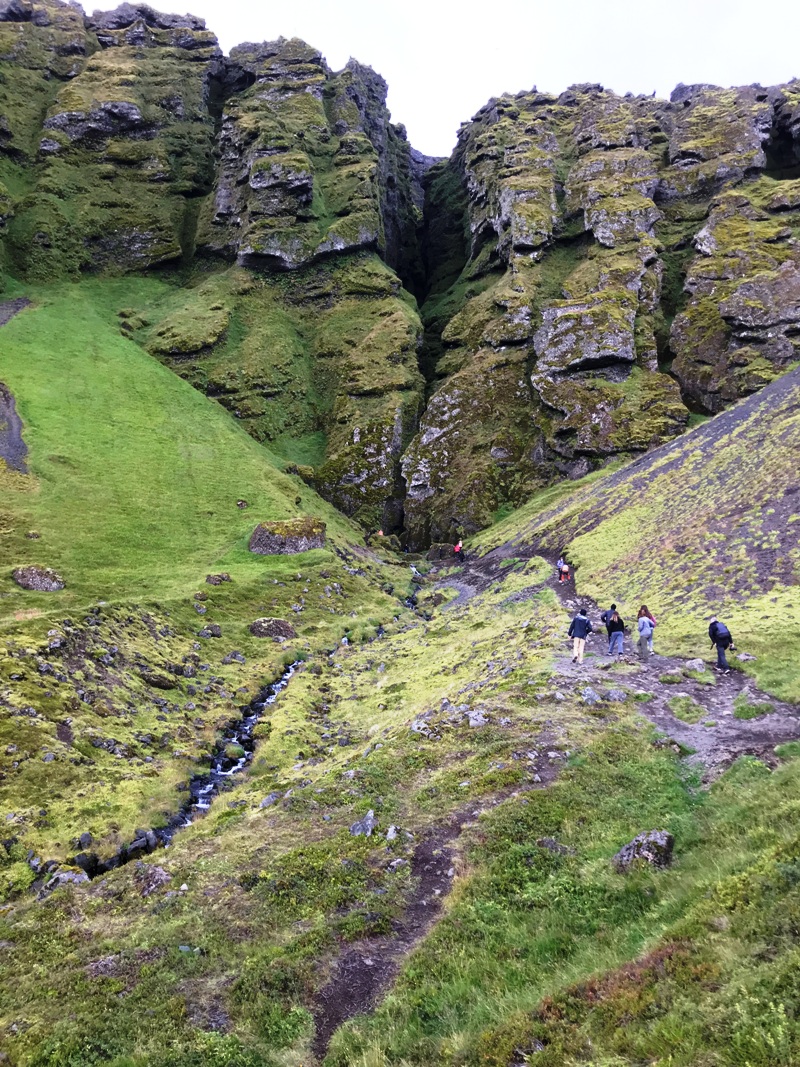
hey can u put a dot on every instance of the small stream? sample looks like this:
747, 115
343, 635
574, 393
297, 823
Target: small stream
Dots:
202, 789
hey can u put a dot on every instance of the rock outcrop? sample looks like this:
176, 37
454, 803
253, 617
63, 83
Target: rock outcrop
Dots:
287, 537
599, 266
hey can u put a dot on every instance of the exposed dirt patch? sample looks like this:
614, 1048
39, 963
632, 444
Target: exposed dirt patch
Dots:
369, 967
12, 448
10, 308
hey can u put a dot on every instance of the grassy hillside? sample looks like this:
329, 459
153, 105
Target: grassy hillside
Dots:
709, 523
135, 476
481, 922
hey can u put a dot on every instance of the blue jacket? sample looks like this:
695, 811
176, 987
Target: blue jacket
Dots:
645, 626
580, 626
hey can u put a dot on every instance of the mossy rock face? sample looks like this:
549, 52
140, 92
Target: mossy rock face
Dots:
123, 145
287, 537
604, 240
326, 172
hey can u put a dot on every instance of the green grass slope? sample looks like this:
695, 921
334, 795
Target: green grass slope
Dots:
135, 476
706, 524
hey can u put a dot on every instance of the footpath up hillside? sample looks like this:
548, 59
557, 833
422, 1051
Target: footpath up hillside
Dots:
708, 524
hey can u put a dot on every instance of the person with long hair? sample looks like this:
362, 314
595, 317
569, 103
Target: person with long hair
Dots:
644, 613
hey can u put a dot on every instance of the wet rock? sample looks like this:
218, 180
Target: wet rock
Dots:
287, 537
38, 579
653, 847
364, 826
276, 628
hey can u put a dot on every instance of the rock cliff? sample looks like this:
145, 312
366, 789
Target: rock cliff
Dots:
606, 265
424, 341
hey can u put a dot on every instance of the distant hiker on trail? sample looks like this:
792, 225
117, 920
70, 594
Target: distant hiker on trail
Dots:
579, 630
721, 639
563, 569
616, 633
458, 551
644, 613
644, 625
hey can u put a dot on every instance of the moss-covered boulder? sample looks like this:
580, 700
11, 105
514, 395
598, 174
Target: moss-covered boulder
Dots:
287, 537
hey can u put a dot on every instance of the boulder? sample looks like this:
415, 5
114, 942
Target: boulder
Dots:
212, 630
38, 579
653, 847
277, 628
150, 878
287, 537
218, 579
62, 878
695, 665
589, 696
364, 826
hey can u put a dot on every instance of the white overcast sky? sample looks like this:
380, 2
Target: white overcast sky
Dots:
443, 59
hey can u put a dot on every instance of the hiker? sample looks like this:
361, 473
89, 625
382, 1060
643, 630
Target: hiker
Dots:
458, 551
579, 630
644, 625
563, 569
644, 613
616, 634
605, 618
721, 639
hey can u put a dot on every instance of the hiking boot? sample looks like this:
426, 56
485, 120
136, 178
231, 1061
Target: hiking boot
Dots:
727, 671
574, 659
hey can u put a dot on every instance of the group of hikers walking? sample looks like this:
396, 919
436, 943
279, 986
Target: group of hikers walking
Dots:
581, 627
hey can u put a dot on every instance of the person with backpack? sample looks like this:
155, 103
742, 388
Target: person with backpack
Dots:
721, 639
645, 627
644, 613
616, 634
563, 569
579, 630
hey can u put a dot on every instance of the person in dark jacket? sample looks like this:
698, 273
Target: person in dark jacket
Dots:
616, 633
579, 630
721, 639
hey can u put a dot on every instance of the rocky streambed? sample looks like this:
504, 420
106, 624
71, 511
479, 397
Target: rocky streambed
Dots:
232, 755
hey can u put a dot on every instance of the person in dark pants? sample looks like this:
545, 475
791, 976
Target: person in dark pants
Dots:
458, 551
721, 639
579, 630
